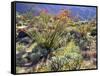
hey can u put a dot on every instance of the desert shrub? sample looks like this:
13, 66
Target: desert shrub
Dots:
73, 61
19, 47
49, 38
93, 32
68, 58
84, 29
56, 64
73, 56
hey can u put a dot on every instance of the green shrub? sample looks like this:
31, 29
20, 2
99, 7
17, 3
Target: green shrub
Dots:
68, 58
19, 47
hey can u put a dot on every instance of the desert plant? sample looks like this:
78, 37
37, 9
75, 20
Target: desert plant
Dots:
69, 57
49, 38
19, 47
57, 63
73, 56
